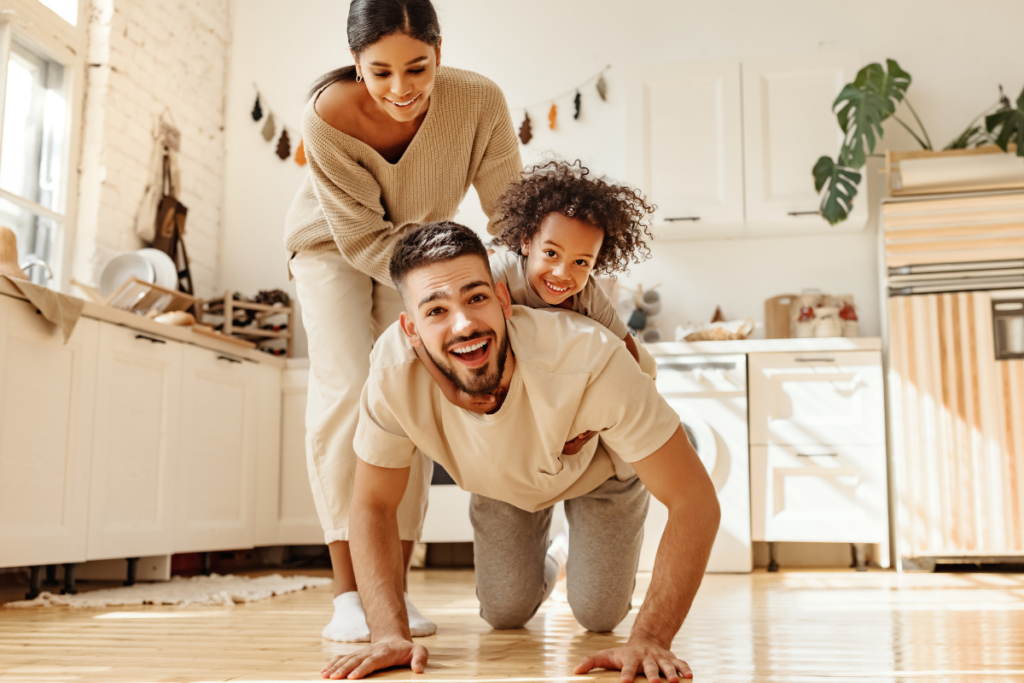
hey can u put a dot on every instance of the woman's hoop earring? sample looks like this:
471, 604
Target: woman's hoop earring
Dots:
359, 78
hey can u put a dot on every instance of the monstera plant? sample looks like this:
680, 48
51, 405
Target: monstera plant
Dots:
873, 97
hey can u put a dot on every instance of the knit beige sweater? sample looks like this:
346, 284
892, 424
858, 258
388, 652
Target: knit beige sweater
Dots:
355, 201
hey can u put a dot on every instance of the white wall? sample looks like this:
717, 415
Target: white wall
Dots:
147, 58
956, 51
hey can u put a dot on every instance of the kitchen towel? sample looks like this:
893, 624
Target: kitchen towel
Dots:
60, 309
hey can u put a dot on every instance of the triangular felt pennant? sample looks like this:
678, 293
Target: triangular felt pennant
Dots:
576, 102
268, 128
526, 130
602, 88
257, 111
552, 116
300, 153
284, 145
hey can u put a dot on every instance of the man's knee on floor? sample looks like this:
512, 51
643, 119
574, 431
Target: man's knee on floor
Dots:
599, 618
502, 614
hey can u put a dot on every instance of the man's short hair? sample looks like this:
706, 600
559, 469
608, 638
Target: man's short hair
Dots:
434, 243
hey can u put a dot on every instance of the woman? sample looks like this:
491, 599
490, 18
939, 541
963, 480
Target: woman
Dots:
392, 142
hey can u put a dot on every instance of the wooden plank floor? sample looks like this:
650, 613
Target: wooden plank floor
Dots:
832, 626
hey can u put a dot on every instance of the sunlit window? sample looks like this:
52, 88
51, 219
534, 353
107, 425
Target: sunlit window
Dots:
32, 154
66, 9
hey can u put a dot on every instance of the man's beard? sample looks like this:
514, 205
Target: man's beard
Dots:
481, 381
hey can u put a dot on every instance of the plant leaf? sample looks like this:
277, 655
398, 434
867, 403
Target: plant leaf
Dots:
862, 106
1010, 124
840, 185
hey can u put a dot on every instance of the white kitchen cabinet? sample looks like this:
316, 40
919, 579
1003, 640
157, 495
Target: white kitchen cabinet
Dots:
286, 514
833, 494
218, 452
817, 398
726, 148
684, 137
135, 445
46, 421
788, 124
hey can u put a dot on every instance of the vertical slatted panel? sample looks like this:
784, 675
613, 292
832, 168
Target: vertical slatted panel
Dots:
958, 432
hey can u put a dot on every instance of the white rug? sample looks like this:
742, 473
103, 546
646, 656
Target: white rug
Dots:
197, 590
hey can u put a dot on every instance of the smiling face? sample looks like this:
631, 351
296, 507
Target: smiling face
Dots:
455, 312
399, 74
561, 255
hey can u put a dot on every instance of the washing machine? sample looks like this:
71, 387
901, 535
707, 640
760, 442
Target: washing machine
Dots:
710, 395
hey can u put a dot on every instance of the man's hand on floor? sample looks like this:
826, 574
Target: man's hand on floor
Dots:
379, 655
638, 657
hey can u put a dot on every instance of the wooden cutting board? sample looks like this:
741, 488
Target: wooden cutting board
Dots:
776, 316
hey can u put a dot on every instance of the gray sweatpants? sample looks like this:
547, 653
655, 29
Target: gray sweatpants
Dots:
514, 575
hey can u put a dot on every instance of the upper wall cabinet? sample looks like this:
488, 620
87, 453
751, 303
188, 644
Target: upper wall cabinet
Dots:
788, 125
686, 146
725, 149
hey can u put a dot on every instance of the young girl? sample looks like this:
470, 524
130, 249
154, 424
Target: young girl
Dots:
561, 224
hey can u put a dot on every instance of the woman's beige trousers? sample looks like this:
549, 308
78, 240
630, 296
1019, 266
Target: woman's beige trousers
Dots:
344, 311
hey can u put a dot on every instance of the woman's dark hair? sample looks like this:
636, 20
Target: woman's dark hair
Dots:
622, 212
371, 20
434, 243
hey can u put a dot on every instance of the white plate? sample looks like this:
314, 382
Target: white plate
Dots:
163, 267
122, 267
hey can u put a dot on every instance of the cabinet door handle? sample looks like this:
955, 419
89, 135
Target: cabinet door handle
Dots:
228, 359
151, 339
682, 218
802, 213
815, 360
815, 455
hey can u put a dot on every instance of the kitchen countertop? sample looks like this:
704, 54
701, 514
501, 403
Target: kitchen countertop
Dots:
716, 348
115, 316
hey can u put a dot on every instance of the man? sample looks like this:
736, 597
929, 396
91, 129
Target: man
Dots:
556, 375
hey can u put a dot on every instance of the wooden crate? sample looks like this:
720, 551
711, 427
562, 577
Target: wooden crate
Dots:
894, 159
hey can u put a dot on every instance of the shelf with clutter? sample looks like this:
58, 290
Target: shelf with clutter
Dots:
266, 320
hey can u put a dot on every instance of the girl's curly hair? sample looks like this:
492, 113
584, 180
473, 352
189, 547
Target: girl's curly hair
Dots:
622, 212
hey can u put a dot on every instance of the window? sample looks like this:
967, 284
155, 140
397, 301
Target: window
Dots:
33, 154
65, 9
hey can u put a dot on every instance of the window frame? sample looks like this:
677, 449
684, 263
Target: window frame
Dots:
35, 26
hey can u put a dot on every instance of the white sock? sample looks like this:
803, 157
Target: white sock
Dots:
559, 550
419, 625
348, 625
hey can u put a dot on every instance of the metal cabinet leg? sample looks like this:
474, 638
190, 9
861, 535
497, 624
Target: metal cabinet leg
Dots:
133, 565
51, 575
773, 566
34, 583
206, 563
860, 552
69, 580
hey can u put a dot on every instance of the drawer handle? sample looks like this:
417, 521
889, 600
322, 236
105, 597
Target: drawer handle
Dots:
228, 359
802, 213
815, 360
815, 455
151, 339
682, 218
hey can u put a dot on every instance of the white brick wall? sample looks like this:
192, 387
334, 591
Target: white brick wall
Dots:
145, 57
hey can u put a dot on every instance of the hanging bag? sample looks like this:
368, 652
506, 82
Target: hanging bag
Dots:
170, 228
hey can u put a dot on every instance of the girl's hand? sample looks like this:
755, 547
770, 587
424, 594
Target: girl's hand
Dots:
573, 447
475, 404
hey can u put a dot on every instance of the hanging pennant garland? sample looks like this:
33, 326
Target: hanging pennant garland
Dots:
269, 131
526, 128
525, 131
269, 128
284, 145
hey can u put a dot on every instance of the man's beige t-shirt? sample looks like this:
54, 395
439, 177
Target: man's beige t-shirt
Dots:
510, 268
571, 375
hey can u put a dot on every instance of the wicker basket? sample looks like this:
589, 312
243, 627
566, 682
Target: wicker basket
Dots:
718, 332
